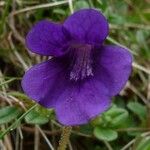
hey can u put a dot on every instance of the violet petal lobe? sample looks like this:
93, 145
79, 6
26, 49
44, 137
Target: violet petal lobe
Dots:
81, 102
87, 26
114, 67
47, 38
75, 103
41, 82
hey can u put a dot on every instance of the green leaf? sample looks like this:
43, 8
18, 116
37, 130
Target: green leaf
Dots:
105, 134
36, 117
138, 109
59, 11
12, 126
81, 4
116, 116
120, 119
144, 144
9, 113
116, 19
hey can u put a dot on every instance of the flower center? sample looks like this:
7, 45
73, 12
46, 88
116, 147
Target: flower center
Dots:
81, 62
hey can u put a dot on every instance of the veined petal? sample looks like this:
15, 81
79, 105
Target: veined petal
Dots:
47, 38
113, 67
41, 82
81, 102
87, 26
75, 103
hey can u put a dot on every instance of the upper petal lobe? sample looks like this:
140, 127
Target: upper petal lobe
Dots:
113, 67
47, 38
87, 26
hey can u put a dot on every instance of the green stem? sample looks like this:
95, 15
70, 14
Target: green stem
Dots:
64, 138
16, 122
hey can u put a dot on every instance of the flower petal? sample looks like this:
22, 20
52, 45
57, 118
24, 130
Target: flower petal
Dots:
82, 101
88, 26
47, 38
75, 102
114, 67
41, 82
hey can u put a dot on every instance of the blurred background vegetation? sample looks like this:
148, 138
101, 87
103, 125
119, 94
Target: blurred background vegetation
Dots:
125, 126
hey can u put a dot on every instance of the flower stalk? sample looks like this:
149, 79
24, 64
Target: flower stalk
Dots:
64, 140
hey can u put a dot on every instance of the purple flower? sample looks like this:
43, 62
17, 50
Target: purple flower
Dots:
83, 75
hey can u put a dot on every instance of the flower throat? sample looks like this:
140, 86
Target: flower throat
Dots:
81, 66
